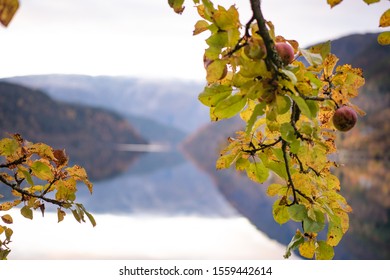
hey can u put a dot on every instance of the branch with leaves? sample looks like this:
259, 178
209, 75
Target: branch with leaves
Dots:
288, 98
32, 172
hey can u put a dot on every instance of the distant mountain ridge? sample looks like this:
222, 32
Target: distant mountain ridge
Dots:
80, 130
172, 103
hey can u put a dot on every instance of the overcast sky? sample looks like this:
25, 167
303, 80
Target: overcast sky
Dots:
144, 38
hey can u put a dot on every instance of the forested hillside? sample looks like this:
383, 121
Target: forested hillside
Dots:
88, 135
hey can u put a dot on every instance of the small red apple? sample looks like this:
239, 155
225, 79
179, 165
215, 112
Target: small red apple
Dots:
344, 118
285, 51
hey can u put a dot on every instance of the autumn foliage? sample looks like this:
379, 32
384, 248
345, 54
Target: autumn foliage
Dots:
287, 96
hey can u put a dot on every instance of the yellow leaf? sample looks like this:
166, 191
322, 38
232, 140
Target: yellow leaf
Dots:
274, 189
329, 64
371, 1
79, 173
384, 38
200, 26
7, 219
335, 233
8, 205
43, 150
8, 9
307, 249
333, 3
344, 219
384, 21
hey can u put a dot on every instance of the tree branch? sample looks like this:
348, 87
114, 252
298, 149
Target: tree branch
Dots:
290, 181
18, 189
261, 147
272, 58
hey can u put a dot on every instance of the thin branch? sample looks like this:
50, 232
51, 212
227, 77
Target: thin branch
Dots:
295, 115
15, 162
262, 147
290, 181
305, 196
302, 169
18, 189
245, 37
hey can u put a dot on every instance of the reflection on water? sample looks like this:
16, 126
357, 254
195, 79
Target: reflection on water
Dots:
158, 183
162, 208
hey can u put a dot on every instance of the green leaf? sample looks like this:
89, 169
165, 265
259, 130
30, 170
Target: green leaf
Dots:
226, 19
42, 171
27, 176
312, 58
310, 225
324, 251
302, 106
297, 212
76, 215
313, 107
216, 71
283, 104
213, 94
176, 5
26, 212
257, 172
297, 240
278, 168
218, 40
242, 164
89, 216
288, 132
257, 111
291, 76
230, 106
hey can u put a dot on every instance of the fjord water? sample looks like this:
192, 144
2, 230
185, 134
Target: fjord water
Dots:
152, 211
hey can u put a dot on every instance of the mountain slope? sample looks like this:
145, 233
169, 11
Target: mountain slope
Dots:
88, 135
172, 103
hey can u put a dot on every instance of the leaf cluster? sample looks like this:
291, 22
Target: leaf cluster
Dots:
37, 175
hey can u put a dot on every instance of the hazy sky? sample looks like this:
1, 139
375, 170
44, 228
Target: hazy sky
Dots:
144, 38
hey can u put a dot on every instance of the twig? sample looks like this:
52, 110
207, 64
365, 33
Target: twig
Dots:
290, 181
